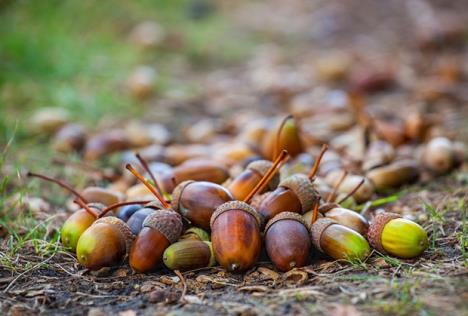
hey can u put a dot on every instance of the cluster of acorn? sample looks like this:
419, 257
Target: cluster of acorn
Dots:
290, 215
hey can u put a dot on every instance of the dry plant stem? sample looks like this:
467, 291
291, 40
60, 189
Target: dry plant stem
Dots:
86, 208
148, 185
332, 194
184, 283
83, 166
116, 205
278, 134
282, 157
352, 191
316, 165
314, 214
145, 166
59, 182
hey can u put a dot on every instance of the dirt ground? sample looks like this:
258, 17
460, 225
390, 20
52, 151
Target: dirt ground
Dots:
51, 282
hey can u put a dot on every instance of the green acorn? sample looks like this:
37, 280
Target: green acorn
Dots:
188, 255
338, 241
390, 233
195, 233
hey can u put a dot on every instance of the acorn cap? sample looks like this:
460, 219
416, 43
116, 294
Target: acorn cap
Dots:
167, 222
303, 188
121, 226
318, 228
286, 216
235, 205
177, 193
262, 167
155, 205
374, 234
324, 208
258, 199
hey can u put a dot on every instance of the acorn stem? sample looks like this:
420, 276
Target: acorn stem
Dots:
278, 134
148, 185
314, 214
316, 165
86, 208
282, 157
352, 191
116, 205
59, 182
145, 166
332, 194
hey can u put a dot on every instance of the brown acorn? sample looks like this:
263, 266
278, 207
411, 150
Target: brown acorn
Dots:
378, 153
439, 155
394, 174
287, 241
101, 195
235, 228
284, 137
197, 201
196, 170
71, 137
294, 194
363, 194
106, 143
338, 241
390, 233
160, 229
104, 244
246, 181
188, 255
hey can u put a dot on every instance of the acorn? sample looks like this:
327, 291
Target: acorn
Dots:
294, 194
101, 195
105, 143
70, 137
439, 155
195, 233
363, 194
346, 217
284, 137
160, 229
127, 211
287, 241
135, 222
338, 241
104, 244
196, 170
197, 201
379, 153
390, 233
235, 228
188, 255
394, 174
246, 180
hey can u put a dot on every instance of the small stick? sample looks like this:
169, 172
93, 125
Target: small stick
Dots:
315, 167
145, 166
278, 134
148, 185
352, 191
182, 279
280, 160
59, 182
314, 214
332, 194
116, 205
86, 208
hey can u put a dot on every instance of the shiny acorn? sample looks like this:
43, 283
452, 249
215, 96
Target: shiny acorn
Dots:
284, 137
246, 180
235, 228
439, 155
160, 229
294, 194
197, 201
394, 175
188, 255
196, 170
104, 244
390, 233
195, 233
287, 241
338, 241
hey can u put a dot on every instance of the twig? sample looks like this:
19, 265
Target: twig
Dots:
182, 279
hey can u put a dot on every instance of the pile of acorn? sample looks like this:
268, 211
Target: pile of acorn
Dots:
200, 213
